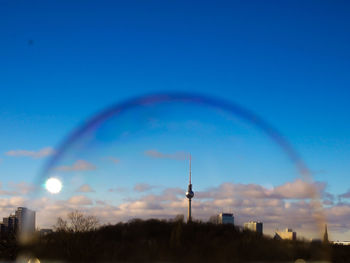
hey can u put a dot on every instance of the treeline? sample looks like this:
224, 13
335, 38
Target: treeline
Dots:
166, 241
175, 241
9, 248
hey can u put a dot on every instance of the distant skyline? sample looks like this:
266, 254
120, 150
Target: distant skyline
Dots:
62, 62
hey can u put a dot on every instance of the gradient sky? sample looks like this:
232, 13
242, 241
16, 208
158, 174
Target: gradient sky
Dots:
288, 61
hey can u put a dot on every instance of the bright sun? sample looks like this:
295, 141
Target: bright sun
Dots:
53, 185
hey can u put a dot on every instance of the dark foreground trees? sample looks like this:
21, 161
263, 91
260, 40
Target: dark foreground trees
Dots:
8, 247
175, 241
76, 222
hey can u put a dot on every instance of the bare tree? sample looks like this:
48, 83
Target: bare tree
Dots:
76, 222
179, 218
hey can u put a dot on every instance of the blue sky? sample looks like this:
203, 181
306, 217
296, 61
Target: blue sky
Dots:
288, 61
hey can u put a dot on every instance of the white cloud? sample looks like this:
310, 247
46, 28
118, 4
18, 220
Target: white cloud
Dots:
11, 203
44, 152
79, 200
142, 187
79, 165
299, 189
85, 188
22, 187
247, 201
100, 202
6, 192
17, 188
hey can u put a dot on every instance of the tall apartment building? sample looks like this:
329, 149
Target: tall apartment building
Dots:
23, 221
254, 226
8, 226
26, 220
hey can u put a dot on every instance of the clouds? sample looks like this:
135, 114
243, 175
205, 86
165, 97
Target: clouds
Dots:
142, 187
17, 188
44, 152
173, 156
297, 189
79, 165
278, 207
22, 188
345, 195
10, 203
85, 188
79, 200
282, 206
6, 192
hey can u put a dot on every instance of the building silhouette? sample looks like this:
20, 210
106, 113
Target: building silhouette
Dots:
254, 226
23, 221
222, 218
287, 234
226, 218
10, 224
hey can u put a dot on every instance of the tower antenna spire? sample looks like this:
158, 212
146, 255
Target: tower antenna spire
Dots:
190, 169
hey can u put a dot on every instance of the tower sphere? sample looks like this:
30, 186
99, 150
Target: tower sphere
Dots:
189, 194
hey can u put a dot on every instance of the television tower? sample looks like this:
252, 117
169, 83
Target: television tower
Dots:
189, 195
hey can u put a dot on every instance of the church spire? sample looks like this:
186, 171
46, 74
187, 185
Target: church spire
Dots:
325, 236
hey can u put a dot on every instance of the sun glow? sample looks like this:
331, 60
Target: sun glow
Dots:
53, 185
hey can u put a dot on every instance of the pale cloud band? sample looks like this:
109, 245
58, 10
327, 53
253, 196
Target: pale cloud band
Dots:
142, 187
286, 205
17, 189
79, 165
85, 188
44, 152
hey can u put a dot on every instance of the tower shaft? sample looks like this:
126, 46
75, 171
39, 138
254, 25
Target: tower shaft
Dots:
189, 216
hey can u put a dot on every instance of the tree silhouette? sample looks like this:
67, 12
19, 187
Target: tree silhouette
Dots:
77, 222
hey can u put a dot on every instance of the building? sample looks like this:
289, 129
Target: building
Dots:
222, 218
23, 221
342, 243
226, 218
10, 223
3, 231
26, 220
287, 234
254, 226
